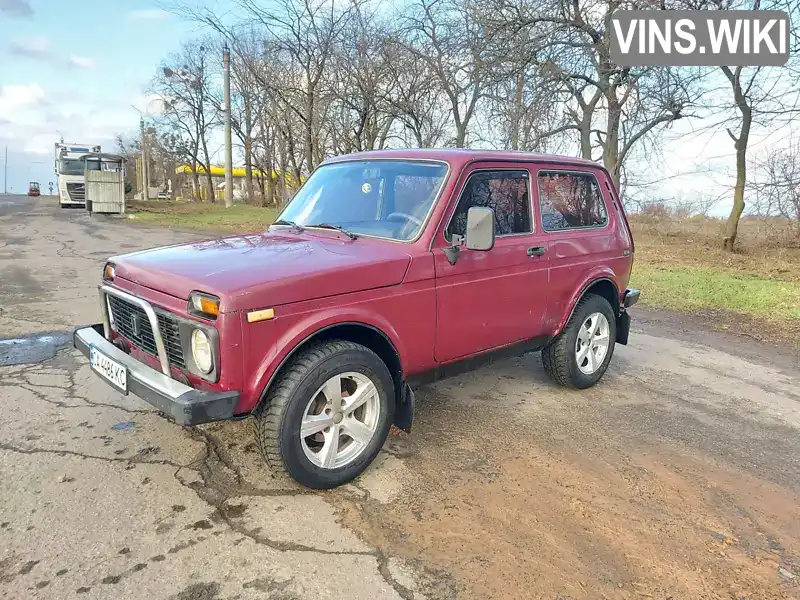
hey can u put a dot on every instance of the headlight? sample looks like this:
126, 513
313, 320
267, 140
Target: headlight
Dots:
108, 272
203, 305
201, 351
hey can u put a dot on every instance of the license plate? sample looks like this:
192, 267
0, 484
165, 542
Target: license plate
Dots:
109, 369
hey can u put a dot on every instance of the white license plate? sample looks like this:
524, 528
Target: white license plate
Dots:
111, 370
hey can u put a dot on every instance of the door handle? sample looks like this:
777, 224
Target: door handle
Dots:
536, 250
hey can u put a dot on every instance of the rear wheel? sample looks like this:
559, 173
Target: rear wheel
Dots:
579, 356
327, 415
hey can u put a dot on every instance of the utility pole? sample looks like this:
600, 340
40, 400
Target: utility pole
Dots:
5, 173
226, 61
145, 178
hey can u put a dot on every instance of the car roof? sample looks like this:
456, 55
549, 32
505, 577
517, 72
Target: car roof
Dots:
461, 156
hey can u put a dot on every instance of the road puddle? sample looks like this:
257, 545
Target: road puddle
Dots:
34, 348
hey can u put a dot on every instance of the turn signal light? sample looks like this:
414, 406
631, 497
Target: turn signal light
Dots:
203, 305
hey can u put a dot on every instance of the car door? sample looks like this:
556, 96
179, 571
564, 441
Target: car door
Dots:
493, 298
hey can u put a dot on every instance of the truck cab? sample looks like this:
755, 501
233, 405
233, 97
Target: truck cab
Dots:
70, 172
387, 270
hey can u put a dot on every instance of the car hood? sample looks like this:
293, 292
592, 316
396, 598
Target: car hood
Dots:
269, 269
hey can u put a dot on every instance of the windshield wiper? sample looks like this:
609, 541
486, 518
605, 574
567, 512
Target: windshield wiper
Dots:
339, 228
289, 223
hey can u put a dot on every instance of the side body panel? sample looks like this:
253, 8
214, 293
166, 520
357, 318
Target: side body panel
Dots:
493, 298
580, 256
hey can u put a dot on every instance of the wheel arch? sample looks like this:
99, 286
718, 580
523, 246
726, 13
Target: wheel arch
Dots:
365, 334
603, 286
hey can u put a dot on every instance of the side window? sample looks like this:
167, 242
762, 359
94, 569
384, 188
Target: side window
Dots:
504, 191
570, 201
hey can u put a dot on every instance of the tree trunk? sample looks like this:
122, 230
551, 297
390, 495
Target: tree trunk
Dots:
270, 185
309, 133
740, 143
516, 119
195, 182
611, 147
732, 225
461, 135
211, 195
248, 149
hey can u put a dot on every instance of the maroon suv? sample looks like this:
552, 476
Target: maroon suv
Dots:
385, 270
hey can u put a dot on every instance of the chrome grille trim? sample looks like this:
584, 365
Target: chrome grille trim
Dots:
130, 321
161, 350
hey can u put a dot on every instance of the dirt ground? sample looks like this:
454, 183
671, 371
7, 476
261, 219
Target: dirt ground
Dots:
677, 477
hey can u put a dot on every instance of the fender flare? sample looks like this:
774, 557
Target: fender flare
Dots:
295, 338
602, 275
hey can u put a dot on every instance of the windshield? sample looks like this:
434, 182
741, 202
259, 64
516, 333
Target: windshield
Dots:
383, 198
70, 167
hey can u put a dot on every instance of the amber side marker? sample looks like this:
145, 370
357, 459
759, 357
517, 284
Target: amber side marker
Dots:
261, 315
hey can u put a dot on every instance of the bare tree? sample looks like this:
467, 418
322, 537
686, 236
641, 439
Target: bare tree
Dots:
414, 98
749, 97
449, 38
360, 86
610, 107
183, 84
777, 185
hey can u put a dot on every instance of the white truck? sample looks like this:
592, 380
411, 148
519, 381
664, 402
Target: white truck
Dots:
69, 168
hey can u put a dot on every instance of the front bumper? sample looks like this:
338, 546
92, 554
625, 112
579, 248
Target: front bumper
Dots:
186, 405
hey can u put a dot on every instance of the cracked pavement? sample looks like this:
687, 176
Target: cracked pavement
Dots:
149, 509
678, 476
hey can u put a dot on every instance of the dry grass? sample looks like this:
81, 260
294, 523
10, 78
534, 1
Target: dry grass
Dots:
681, 266
766, 250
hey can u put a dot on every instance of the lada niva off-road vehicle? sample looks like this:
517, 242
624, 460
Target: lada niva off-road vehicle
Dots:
386, 269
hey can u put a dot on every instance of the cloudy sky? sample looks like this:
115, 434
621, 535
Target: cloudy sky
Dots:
74, 67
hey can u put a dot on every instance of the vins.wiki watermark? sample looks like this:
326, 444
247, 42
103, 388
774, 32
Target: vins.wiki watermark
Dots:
700, 38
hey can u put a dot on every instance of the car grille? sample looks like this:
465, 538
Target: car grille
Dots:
129, 317
77, 192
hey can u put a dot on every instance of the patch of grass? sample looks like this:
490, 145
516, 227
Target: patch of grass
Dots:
240, 218
680, 266
691, 288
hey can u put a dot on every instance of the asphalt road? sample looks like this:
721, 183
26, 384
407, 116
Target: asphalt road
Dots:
678, 476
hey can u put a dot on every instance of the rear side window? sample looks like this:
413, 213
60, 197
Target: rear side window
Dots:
570, 201
506, 192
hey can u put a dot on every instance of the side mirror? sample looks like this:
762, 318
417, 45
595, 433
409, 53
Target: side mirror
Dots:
480, 228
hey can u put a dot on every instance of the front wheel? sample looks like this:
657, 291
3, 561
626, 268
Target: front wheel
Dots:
327, 415
579, 356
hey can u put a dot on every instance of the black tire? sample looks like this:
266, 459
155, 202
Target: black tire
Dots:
279, 416
559, 358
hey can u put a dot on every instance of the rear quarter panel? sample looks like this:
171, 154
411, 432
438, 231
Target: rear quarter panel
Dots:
580, 256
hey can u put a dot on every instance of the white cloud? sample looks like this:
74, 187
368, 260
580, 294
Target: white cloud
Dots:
37, 46
82, 62
13, 98
16, 8
147, 14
